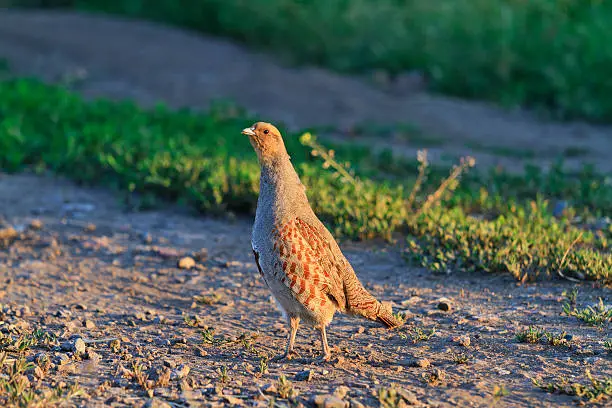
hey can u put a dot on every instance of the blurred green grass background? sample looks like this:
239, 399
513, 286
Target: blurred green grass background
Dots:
551, 55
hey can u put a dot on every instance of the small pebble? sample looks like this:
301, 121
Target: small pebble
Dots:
305, 375
416, 362
408, 396
201, 255
444, 304
157, 403
76, 346
341, 391
61, 359
186, 263
36, 224
180, 372
328, 401
463, 340
269, 389
355, 404
7, 234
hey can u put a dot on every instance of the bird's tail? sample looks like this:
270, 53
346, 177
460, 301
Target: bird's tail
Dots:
386, 316
361, 303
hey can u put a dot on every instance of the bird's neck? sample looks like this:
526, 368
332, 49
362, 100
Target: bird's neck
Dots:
280, 191
277, 171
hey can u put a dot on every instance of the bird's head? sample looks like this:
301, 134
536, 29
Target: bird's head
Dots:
266, 140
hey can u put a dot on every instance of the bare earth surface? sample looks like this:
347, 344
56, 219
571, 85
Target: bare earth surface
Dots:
87, 268
147, 62
121, 280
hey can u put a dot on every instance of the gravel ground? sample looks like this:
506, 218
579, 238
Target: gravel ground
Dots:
81, 266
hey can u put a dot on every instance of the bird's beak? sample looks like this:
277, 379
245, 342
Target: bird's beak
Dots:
248, 132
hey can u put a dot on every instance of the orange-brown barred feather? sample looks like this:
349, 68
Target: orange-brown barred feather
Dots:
304, 265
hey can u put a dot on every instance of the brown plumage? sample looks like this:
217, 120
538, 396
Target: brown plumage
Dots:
296, 255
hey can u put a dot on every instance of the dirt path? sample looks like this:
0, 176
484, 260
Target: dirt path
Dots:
149, 62
122, 278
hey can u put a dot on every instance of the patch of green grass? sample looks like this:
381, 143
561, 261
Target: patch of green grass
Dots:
418, 334
500, 391
209, 299
223, 374
208, 337
608, 345
285, 388
488, 222
16, 390
527, 243
531, 53
394, 397
597, 315
595, 391
530, 335
460, 358
534, 335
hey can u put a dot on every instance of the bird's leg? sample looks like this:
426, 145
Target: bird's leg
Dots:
294, 323
326, 356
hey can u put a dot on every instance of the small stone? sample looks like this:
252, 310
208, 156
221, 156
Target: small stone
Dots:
24, 311
408, 396
8, 234
180, 372
160, 319
233, 401
269, 389
89, 324
157, 403
444, 304
186, 263
61, 359
328, 401
416, 362
201, 255
463, 340
36, 224
341, 391
38, 372
76, 345
90, 227
355, 404
305, 375
360, 329
93, 356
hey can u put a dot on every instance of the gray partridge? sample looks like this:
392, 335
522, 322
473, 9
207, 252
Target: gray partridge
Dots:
296, 255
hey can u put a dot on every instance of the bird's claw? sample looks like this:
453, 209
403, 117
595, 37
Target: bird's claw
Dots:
287, 356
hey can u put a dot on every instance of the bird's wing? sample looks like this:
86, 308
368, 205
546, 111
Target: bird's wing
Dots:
307, 265
358, 301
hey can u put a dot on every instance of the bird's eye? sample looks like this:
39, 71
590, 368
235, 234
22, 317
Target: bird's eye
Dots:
266, 132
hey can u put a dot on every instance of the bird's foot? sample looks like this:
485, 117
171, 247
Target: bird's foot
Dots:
287, 356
